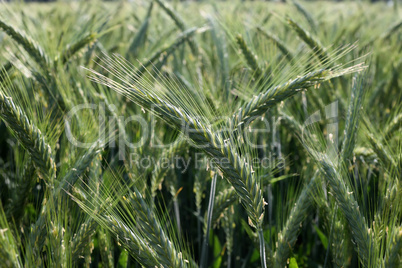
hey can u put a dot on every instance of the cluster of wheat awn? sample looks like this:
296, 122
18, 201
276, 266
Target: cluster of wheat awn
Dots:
227, 134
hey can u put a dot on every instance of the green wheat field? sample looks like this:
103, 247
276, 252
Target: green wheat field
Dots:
201, 134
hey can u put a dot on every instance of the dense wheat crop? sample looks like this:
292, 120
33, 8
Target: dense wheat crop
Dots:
208, 134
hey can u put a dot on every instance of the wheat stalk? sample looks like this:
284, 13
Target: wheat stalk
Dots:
222, 201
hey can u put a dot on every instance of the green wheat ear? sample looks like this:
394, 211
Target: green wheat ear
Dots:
381, 151
250, 57
364, 243
159, 172
15, 209
236, 169
393, 126
75, 47
311, 41
180, 24
141, 232
238, 172
160, 56
288, 235
30, 137
279, 43
352, 119
307, 15
33, 49
9, 245
140, 38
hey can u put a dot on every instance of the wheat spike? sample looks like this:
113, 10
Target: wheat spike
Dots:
74, 48
30, 137
250, 57
288, 235
33, 49
312, 42
237, 171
